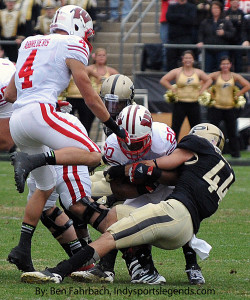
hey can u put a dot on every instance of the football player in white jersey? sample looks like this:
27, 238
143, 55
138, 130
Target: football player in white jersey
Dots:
148, 140
7, 69
116, 153
43, 70
174, 221
72, 184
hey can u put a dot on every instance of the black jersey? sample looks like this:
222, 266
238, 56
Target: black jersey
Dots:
204, 180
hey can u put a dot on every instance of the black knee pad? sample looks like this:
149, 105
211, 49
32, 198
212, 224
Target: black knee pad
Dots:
49, 222
91, 208
78, 223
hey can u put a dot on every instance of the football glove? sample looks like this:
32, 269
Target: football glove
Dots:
139, 172
114, 172
123, 134
119, 131
146, 188
63, 106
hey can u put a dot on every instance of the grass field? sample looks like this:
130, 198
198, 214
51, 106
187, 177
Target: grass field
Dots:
226, 270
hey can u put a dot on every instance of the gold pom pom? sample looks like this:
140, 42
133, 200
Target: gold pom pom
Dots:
205, 99
239, 102
170, 96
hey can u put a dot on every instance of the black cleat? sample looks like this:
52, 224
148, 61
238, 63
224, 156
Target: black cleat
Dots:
20, 258
194, 274
22, 167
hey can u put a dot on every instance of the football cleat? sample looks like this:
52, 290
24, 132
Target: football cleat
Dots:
139, 274
22, 167
147, 277
86, 268
41, 277
96, 274
21, 259
194, 274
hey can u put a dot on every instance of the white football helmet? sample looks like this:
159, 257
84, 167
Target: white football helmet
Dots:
117, 92
74, 20
211, 133
137, 120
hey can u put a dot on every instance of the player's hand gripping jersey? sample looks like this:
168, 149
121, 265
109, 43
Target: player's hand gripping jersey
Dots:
42, 73
7, 69
163, 143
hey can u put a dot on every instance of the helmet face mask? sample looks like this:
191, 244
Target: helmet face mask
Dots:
74, 20
117, 92
114, 105
211, 133
137, 120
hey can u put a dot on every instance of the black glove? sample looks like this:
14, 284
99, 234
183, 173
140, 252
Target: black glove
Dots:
119, 131
146, 188
141, 172
114, 172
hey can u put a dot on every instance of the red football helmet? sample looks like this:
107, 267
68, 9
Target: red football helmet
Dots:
137, 120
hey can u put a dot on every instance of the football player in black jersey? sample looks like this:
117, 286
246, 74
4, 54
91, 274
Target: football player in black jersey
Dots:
203, 178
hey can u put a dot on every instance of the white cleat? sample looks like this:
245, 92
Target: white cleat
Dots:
96, 274
41, 277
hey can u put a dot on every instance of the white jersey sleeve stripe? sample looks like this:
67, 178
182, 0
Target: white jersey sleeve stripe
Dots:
82, 138
76, 48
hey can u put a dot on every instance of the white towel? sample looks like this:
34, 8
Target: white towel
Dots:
202, 248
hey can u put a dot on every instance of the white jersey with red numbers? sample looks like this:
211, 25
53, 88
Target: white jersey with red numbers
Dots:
7, 69
163, 143
42, 73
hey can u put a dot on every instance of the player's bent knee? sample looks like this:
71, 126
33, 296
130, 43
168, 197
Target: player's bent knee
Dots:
91, 208
110, 219
49, 220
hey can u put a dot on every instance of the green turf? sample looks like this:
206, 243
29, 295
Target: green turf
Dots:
226, 270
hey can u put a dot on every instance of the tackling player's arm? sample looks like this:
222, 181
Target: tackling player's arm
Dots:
157, 168
10, 92
92, 99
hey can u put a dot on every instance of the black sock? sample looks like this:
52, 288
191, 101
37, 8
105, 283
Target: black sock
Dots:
27, 231
72, 247
107, 262
190, 255
82, 257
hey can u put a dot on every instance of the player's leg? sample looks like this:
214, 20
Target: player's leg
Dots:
21, 254
57, 132
193, 270
173, 231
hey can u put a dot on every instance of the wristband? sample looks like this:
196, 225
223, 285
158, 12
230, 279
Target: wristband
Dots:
154, 160
111, 124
